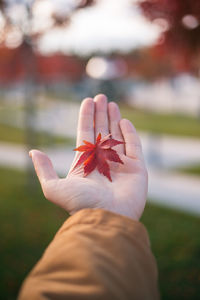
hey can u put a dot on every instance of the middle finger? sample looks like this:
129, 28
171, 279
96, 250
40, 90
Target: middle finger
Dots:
101, 115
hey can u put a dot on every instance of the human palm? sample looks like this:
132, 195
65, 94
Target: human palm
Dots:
126, 194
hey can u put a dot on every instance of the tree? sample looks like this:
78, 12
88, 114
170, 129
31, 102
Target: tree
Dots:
181, 19
20, 26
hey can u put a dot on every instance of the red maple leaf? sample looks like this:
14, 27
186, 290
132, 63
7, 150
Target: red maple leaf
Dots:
96, 155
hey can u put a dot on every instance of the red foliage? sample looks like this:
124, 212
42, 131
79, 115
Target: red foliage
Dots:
96, 155
15, 66
179, 39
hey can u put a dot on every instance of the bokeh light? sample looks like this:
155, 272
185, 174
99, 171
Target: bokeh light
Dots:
190, 22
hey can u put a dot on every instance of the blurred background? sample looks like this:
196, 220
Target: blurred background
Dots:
145, 55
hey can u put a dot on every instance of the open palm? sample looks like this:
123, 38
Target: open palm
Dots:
126, 194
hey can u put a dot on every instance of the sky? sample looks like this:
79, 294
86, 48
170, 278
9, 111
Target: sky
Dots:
108, 26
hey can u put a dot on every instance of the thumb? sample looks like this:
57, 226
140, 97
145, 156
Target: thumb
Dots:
43, 166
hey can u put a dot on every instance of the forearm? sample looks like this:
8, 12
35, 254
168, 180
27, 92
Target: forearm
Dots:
95, 255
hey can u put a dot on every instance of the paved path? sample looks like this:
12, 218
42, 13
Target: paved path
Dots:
60, 118
175, 190
170, 151
166, 188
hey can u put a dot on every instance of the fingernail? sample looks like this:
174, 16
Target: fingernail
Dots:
101, 96
30, 153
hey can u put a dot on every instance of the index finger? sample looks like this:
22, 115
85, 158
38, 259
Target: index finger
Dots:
85, 130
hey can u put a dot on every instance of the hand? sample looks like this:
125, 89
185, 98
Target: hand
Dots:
126, 194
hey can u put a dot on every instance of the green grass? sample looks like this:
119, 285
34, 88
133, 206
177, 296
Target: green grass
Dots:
177, 125
190, 170
19, 136
12, 134
29, 223
175, 241
172, 124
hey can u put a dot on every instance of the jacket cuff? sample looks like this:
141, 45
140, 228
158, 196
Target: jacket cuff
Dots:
100, 217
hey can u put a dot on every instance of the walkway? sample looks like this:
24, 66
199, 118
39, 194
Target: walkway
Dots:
166, 188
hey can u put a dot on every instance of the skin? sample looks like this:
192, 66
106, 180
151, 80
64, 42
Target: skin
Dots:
126, 194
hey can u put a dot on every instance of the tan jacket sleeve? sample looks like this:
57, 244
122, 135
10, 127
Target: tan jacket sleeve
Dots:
96, 254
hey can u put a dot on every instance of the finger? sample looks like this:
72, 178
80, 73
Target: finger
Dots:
43, 166
133, 146
114, 119
85, 129
101, 115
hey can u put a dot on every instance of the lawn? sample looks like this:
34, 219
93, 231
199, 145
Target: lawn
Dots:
29, 222
20, 136
175, 241
28, 225
173, 124
190, 170
11, 134
178, 125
